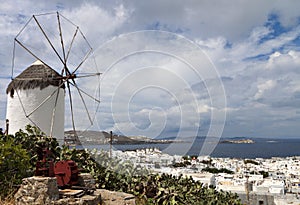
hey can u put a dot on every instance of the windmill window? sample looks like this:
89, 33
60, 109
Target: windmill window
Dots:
12, 92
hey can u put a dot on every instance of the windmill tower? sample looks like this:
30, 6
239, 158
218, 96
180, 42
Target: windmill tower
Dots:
26, 103
61, 70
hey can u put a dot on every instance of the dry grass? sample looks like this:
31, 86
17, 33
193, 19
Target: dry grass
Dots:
7, 201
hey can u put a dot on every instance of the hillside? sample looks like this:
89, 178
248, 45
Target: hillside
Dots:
102, 137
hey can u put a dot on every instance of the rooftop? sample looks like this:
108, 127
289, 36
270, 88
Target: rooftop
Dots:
36, 75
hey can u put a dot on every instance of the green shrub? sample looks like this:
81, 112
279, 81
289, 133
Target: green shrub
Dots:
14, 163
19, 154
250, 161
216, 171
264, 173
34, 141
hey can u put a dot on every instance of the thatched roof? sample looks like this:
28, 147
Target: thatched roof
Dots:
36, 75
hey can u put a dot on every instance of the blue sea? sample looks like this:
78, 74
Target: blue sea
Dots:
262, 148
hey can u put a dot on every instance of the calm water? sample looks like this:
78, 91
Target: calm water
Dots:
262, 148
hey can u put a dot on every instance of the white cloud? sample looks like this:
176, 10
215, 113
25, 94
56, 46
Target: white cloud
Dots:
281, 62
97, 23
264, 87
260, 70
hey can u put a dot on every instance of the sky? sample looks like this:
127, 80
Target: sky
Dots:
174, 68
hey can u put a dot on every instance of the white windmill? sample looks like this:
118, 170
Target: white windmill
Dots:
36, 96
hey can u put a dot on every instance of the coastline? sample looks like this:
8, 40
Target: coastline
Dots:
240, 141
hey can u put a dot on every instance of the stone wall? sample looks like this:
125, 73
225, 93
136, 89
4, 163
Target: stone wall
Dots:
43, 190
86, 180
37, 190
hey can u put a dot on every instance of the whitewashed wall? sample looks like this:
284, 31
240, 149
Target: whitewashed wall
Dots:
31, 99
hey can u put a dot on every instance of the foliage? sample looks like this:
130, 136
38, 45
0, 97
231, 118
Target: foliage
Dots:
35, 141
19, 154
250, 161
215, 170
182, 164
157, 189
264, 173
14, 162
186, 157
111, 174
169, 189
208, 162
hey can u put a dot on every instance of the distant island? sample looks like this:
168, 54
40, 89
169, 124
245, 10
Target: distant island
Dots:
239, 141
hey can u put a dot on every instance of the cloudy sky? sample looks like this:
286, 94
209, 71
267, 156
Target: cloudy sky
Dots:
174, 68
